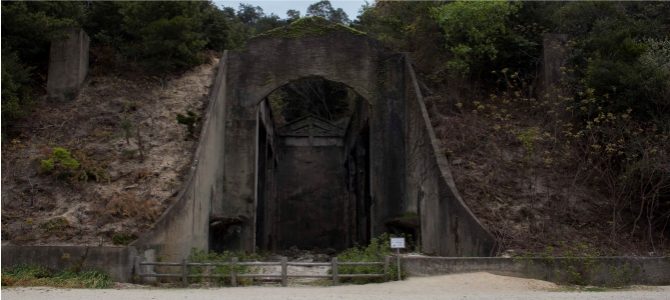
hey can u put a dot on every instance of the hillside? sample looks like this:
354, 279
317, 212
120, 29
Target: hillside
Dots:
123, 130
530, 189
583, 170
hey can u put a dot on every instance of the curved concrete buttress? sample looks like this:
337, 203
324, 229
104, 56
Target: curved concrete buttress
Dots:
185, 224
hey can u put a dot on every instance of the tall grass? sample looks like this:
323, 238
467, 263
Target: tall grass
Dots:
40, 276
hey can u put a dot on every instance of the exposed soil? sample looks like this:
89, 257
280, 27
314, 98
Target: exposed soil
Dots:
124, 133
532, 196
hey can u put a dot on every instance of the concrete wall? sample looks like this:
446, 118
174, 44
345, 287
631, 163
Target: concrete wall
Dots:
448, 227
601, 270
68, 64
312, 198
185, 225
271, 62
115, 261
406, 173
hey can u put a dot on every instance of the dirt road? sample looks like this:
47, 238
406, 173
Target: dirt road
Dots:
459, 286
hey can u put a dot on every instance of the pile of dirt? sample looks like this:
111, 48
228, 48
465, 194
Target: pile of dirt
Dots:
132, 154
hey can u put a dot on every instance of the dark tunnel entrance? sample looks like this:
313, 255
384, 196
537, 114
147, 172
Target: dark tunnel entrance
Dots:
313, 167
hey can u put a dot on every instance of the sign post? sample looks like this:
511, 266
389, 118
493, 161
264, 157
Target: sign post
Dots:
397, 244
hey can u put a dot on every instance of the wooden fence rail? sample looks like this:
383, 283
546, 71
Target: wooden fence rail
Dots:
284, 275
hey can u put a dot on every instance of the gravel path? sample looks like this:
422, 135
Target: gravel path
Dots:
458, 286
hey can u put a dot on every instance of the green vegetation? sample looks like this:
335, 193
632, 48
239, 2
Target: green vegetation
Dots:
123, 238
55, 225
377, 251
609, 125
309, 26
575, 265
476, 34
189, 120
201, 256
65, 166
39, 276
61, 162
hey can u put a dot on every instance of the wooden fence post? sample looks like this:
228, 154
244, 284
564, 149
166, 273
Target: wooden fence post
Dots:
184, 273
335, 272
284, 271
387, 264
206, 273
233, 271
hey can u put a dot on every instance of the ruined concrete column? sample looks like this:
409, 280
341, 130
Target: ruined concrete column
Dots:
68, 64
554, 58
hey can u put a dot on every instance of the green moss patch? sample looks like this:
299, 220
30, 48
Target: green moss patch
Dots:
310, 26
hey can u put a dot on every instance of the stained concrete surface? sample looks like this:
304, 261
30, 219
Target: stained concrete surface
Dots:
68, 64
312, 198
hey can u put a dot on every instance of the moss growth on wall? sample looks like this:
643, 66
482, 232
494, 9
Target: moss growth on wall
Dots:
310, 26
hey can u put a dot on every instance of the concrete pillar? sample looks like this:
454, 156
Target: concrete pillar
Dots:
68, 64
554, 58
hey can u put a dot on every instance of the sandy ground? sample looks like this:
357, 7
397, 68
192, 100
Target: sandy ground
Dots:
458, 286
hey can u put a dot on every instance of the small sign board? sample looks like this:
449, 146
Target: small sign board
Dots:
398, 243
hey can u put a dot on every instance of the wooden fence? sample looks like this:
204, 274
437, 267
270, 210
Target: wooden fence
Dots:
233, 274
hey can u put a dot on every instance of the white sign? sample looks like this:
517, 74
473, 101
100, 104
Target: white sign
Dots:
398, 243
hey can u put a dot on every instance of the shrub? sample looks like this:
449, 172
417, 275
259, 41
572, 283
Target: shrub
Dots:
40, 276
55, 225
189, 120
123, 238
60, 161
16, 94
66, 166
479, 35
226, 256
378, 249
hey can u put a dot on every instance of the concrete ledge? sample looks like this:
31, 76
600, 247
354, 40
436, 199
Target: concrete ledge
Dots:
115, 261
594, 270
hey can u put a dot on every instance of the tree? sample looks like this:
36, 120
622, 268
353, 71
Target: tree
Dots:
16, 94
474, 33
250, 14
164, 36
325, 10
293, 14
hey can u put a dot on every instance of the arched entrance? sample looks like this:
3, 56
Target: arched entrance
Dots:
370, 145
239, 195
313, 185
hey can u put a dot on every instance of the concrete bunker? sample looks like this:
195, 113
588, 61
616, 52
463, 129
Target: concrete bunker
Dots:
378, 170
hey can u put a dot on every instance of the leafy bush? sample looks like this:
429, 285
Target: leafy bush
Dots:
66, 166
60, 161
226, 256
189, 120
40, 276
123, 238
481, 35
55, 225
16, 93
377, 251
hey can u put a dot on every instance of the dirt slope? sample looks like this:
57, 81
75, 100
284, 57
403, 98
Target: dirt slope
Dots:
124, 132
523, 183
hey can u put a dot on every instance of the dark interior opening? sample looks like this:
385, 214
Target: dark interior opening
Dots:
313, 178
